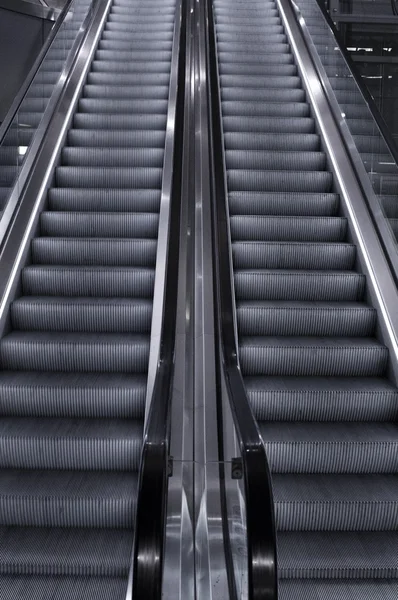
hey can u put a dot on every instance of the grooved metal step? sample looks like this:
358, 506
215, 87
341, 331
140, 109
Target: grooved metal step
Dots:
323, 399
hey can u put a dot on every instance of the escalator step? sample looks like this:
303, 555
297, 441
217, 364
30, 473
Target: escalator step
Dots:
153, 92
111, 225
277, 45
293, 255
113, 106
92, 251
333, 589
137, 19
274, 161
112, 157
351, 448
88, 281
287, 284
133, 55
250, 58
66, 444
119, 122
282, 203
336, 502
116, 139
236, 17
126, 36
114, 177
272, 26
268, 125
125, 45
8, 175
125, 79
262, 94
66, 552
103, 199
305, 356
67, 499
252, 81
132, 28
72, 395
108, 66
167, 9
303, 318
104, 315
322, 399
280, 70
26, 587
346, 555
99, 352
241, 180
271, 142
274, 34
270, 109
297, 229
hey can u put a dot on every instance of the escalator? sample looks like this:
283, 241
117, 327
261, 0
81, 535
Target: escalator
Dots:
314, 368
373, 149
74, 359
20, 135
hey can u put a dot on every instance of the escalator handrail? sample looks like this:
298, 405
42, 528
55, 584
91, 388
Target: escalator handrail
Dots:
380, 122
155, 467
260, 519
19, 98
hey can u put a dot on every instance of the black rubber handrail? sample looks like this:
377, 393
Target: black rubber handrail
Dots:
260, 519
380, 122
14, 108
155, 460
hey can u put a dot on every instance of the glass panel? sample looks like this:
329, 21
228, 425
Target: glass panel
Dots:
236, 518
235, 502
376, 157
18, 140
374, 48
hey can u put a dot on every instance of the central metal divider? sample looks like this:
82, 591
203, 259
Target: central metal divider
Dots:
194, 530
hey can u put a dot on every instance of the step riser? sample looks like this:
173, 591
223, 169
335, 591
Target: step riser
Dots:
253, 255
72, 403
329, 458
304, 322
80, 357
74, 512
83, 318
328, 516
257, 203
70, 454
313, 361
291, 230
99, 225
58, 251
98, 283
284, 286
333, 407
